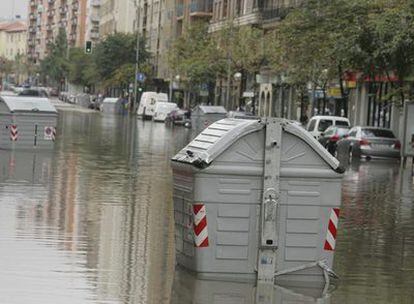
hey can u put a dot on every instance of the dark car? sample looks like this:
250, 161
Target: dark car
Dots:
331, 136
369, 142
33, 93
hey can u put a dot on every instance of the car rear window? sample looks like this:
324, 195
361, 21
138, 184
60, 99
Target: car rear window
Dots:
311, 126
377, 133
341, 123
324, 124
342, 131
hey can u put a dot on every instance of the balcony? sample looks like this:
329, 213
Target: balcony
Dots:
51, 13
51, 2
32, 16
96, 3
94, 18
201, 8
179, 11
49, 28
32, 3
63, 10
94, 35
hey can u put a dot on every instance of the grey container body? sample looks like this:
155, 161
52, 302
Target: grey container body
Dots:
31, 128
231, 188
203, 116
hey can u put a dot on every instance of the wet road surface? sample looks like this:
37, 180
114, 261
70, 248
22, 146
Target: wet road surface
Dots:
92, 222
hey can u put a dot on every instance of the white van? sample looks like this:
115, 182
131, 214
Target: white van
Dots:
162, 109
318, 124
147, 103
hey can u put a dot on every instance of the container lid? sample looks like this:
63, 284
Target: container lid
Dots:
213, 109
28, 104
110, 100
219, 136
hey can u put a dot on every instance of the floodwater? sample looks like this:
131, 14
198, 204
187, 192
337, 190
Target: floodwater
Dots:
92, 222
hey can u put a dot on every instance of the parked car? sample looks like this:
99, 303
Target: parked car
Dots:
179, 117
318, 124
33, 93
369, 142
241, 115
162, 109
148, 103
331, 136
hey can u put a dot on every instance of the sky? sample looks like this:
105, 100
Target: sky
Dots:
6, 8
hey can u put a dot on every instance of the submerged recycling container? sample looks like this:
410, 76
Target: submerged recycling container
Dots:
203, 116
27, 123
218, 187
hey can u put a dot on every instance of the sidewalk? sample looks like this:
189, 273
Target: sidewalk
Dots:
64, 106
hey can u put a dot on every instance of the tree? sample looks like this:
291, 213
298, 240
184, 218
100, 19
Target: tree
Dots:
193, 56
56, 64
322, 39
82, 68
115, 55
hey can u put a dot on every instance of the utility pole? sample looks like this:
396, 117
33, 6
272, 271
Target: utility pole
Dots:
138, 12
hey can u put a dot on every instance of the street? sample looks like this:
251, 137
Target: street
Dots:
92, 222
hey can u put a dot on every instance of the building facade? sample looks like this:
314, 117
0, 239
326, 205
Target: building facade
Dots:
46, 17
13, 39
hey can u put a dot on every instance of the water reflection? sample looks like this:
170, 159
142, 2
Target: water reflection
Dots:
188, 289
92, 222
376, 235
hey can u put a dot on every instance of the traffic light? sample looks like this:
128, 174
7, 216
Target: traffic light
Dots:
140, 89
88, 47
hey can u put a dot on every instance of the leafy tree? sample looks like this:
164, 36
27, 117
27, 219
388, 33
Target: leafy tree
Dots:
115, 56
322, 39
194, 56
82, 68
56, 64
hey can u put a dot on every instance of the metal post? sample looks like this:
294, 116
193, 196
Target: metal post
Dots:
270, 201
134, 100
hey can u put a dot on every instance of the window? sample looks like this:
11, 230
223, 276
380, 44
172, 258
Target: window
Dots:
330, 131
342, 131
224, 9
312, 124
324, 124
341, 123
377, 133
353, 133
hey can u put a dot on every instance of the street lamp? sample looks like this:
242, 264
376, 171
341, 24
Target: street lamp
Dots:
238, 77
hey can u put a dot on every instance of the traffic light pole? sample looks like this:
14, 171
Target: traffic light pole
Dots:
135, 99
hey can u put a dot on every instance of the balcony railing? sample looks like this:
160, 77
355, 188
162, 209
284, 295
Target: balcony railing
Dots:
201, 6
179, 11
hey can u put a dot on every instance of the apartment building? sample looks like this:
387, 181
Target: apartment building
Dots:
13, 39
46, 17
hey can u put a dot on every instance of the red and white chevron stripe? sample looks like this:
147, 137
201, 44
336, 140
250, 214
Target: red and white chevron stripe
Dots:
200, 225
14, 133
53, 134
332, 229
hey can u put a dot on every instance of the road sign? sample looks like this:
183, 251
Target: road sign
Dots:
141, 77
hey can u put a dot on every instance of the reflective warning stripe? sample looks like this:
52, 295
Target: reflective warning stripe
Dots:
330, 241
200, 225
14, 133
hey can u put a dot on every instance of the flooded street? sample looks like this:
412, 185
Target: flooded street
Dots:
92, 222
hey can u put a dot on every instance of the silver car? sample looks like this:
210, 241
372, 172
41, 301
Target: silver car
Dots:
369, 142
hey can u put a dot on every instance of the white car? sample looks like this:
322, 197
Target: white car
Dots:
318, 124
148, 103
162, 109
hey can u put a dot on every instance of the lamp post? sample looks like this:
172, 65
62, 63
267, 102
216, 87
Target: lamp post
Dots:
238, 77
138, 12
